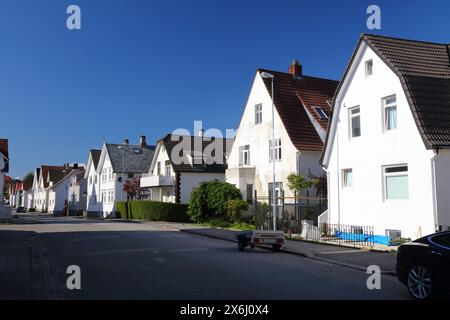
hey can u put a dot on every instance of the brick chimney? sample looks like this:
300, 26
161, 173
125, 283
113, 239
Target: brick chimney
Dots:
142, 141
126, 141
296, 69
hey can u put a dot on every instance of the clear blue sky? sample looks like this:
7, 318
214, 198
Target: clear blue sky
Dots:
149, 67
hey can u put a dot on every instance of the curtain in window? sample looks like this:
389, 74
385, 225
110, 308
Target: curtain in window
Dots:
397, 187
391, 118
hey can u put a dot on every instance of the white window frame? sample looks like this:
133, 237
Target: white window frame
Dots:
350, 122
369, 71
244, 154
345, 178
277, 150
394, 174
258, 113
387, 106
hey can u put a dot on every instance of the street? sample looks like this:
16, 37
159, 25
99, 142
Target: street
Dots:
153, 260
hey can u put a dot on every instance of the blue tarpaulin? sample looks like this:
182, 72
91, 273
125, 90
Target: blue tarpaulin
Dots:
363, 237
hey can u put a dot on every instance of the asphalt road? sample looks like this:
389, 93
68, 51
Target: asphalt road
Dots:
154, 261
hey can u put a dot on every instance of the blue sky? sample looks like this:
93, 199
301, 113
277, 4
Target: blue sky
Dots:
149, 67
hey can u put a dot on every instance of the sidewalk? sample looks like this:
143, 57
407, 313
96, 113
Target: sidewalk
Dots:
349, 257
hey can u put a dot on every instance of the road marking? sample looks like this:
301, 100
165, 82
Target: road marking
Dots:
189, 250
97, 253
343, 251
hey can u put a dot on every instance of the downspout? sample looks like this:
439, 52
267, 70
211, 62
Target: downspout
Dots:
433, 177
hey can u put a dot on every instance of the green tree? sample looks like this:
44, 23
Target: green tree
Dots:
28, 177
297, 182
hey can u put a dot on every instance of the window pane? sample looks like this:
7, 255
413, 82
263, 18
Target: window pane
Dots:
397, 187
356, 126
396, 169
391, 118
348, 178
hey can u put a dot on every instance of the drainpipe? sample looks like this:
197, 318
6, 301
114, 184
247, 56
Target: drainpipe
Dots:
433, 177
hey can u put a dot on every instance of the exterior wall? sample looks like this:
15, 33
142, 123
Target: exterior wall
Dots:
258, 137
190, 181
442, 169
2, 177
107, 206
57, 196
162, 193
364, 203
77, 197
93, 204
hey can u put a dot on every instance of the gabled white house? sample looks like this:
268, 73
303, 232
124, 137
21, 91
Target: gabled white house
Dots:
48, 176
387, 152
58, 189
92, 183
77, 197
181, 163
117, 164
302, 108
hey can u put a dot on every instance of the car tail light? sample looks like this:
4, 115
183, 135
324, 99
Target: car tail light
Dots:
279, 240
256, 240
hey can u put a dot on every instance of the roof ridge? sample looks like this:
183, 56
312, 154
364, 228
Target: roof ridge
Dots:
303, 76
365, 35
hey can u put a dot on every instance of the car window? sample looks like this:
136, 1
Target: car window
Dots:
443, 240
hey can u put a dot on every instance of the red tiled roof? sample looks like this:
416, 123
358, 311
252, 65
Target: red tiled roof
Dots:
294, 98
45, 170
4, 151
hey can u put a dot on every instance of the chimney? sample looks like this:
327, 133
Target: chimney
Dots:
201, 133
296, 69
126, 141
142, 141
75, 165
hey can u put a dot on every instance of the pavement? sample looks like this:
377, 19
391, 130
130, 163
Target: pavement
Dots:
155, 260
349, 257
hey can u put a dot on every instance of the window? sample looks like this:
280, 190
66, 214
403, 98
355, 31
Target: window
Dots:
244, 155
258, 113
249, 192
321, 113
396, 182
442, 240
167, 168
390, 113
110, 174
347, 178
369, 68
90, 180
355, 122
278, 192
277, 150
158, 168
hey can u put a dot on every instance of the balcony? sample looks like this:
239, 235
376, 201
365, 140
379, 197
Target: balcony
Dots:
148, 181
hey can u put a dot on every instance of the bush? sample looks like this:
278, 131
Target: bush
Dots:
211, 200
234, 208
219, 223
153, 211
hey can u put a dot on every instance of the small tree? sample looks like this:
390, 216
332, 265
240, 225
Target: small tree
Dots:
297, 182
28, 177
133, 188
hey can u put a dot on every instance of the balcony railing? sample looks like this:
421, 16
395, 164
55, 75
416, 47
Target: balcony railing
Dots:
157, 181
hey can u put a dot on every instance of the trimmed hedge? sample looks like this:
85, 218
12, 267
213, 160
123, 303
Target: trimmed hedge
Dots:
153, 211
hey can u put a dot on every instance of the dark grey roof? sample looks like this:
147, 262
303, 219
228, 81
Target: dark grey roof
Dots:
95, 155
187, 166
135, 159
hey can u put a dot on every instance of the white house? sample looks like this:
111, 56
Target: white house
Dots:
181, 163
93, 206
48, 176
58, 188
387, 152
117, 164
77, 196
302, 107
34, 190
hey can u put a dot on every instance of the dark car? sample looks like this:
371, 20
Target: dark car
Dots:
423, 266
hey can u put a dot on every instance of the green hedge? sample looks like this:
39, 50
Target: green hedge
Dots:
153, 211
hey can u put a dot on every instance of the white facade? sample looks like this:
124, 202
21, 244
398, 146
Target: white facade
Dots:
257, 174
93, 204
369, 196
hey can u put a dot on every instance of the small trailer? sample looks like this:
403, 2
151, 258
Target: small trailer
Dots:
260, 237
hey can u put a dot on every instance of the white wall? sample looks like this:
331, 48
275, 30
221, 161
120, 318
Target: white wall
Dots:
162, 193
58, 195
93, 203
258, 137
442, 165
190, 181
364, 203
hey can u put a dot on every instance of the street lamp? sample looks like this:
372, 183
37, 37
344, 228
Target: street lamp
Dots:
270, 76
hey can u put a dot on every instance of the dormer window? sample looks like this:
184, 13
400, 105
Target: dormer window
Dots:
369, 68
321, 113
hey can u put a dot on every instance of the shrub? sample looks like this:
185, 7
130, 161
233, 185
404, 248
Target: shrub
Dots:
153, 211
211, 200
219, 223
234, 208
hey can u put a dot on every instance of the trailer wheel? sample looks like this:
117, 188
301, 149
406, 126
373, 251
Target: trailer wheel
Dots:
241, 246
252, 246
276, 247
